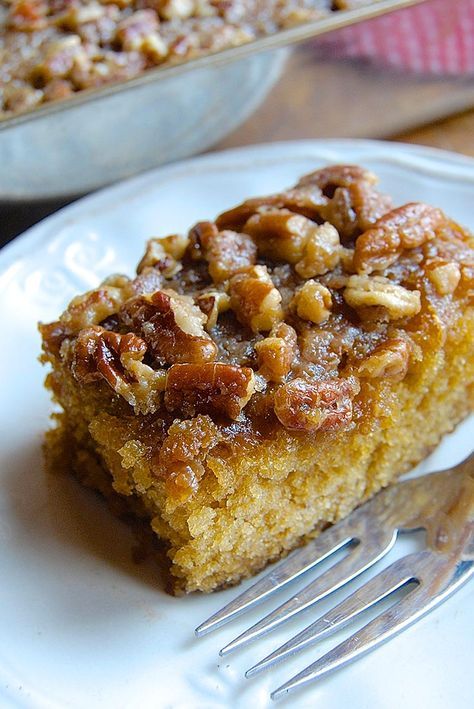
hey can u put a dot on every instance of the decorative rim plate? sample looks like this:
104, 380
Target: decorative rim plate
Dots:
80, 624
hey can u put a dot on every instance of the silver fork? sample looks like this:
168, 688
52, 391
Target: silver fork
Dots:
441, 503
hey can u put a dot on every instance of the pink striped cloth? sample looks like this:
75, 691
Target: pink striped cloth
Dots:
436, 37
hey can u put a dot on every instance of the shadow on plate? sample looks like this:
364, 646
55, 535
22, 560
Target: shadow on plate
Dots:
52, 513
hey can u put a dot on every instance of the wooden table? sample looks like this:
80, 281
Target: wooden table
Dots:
322, 99
330, 99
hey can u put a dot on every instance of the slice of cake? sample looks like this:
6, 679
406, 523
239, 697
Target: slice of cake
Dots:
266, 373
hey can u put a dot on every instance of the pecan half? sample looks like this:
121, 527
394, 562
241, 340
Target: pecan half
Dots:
328, 179
316, 406
226, 252
353, 204
255, 300
389, 360
100, 354
201, 388
277, 353
355, 209
306, 200
404, 228
171, 325
378, 298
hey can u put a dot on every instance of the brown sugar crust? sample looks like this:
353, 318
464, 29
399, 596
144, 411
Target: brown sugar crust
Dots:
225, 387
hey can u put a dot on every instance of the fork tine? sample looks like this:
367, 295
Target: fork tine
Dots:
365, 555
379, 587
290, 568
400, 616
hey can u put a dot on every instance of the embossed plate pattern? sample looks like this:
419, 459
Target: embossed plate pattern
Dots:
80, 624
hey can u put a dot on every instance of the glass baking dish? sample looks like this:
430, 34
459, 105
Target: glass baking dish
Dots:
101, 135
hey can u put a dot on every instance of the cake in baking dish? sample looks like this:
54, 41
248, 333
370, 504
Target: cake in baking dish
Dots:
265, 373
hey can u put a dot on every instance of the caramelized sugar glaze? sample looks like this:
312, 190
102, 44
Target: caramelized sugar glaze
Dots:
296, 319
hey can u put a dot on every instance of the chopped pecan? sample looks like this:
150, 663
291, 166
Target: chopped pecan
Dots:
179, 460
280, 234
133, 30
149, 280
353, 204
159, 254
378, 298
92, 307
226, 252
389, 360
255, 300
176, 9
198, 388
328, 179
312, 406
171, 325
100, 354
313, 302
27, 15
277, 353
306, 200
212, 303
404, 228
445, 277
58, 60
322, 252
53, 335
346, 257
175, 245
355, 209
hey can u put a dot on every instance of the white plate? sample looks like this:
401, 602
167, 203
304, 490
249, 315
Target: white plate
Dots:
80, 625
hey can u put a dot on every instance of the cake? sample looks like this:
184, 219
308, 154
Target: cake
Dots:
265, 373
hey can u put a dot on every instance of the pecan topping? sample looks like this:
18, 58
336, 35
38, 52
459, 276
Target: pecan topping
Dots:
322, 252
377, 298
101, 354
404, 228
92, 307
199, 388
352, 203
255, 300
312, 406
313, 302
306, 200
172, 327
328, 179
179, 461
354, 209
226, 252
277, 353
53, 335
280, 234
164, 254
445, 277
212, 303
389, 360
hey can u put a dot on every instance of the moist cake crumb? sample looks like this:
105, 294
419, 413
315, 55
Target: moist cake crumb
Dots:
265, 373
